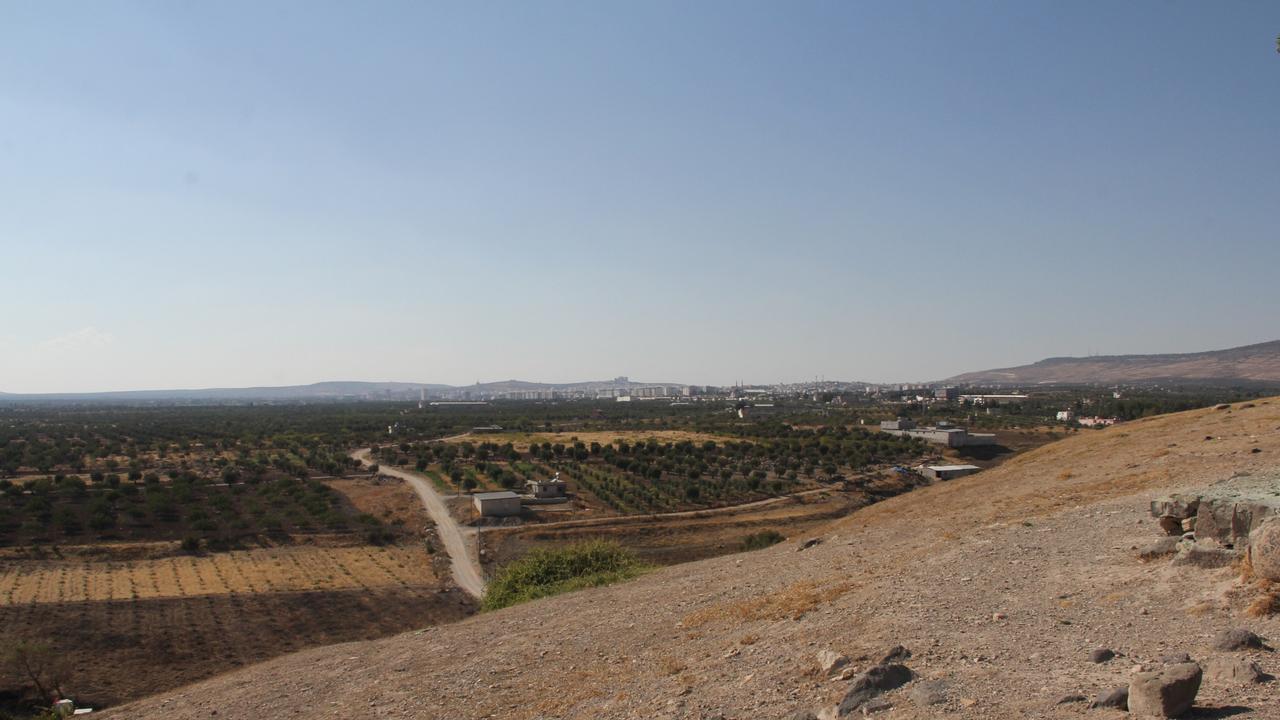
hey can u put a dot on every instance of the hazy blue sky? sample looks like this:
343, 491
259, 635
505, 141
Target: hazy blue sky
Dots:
237, 193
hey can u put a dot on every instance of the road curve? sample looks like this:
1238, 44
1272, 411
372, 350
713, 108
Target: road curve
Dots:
466, 569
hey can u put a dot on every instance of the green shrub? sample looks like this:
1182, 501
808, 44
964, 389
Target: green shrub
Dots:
546, 572
761, 540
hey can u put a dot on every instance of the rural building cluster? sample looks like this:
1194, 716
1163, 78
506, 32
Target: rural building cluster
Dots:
507, 503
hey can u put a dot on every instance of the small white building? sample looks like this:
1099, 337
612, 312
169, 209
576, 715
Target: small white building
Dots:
496, 504
1066, 416
547, 488
947, 472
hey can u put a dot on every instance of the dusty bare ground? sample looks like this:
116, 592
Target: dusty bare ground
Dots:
1000, 583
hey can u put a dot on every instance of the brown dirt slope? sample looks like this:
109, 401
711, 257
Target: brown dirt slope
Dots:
1251, 363
1000, 583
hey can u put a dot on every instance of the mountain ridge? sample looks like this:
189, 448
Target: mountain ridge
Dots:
1256, 363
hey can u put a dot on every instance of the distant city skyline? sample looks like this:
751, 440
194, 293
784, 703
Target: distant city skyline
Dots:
259, 194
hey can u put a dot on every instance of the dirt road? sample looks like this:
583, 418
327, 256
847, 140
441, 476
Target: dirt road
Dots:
462, 558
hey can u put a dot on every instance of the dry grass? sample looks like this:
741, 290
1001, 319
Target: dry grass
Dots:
791, 602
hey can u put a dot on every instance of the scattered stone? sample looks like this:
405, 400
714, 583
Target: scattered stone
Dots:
1069, 699
998, 616
1255, 450
829, 661
1236, 670
968, 702
1165, 693
808, 544
928, 692
1264, 550
1163, 547
1237, 639
1175, 658
896, 654
1188, 525
1221, 406
1117, 697
803, 715
1101, 655
1171, 525
872, 682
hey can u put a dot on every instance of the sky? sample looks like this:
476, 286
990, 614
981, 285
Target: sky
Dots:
265, 193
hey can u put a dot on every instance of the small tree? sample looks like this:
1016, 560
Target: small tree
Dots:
38, 664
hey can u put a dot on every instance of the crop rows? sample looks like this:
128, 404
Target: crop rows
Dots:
268, 570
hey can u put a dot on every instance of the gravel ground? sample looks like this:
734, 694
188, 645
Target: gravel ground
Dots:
1000, 584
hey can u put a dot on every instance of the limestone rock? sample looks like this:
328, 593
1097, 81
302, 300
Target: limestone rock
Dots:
1165, 693
1204, 556
829, 661
1163, 547
1264, 550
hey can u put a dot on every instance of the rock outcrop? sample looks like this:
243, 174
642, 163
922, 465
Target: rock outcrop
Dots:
1225, 513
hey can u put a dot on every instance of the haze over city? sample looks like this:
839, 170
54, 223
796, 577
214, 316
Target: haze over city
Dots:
239, 194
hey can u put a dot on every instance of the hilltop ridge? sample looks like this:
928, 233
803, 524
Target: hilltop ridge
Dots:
1248, 364
1000, 584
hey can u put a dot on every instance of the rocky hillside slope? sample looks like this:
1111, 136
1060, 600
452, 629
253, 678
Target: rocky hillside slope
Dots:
1000, 585
1248, 364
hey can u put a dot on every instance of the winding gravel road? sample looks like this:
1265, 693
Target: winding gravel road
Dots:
457, 543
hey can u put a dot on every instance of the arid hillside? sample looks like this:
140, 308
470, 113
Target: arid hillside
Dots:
1258, 363
1000, 585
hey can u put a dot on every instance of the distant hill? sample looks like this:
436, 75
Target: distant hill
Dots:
1250, 364
333, 390
314, 391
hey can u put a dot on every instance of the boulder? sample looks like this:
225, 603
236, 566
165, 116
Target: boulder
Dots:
1101, 655
1237, 639
1234, 669
1171, 525
871, 683
1117, 697
1165, 693
1264, 550
928, 692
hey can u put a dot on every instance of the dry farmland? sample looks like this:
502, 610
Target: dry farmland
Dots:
135, 618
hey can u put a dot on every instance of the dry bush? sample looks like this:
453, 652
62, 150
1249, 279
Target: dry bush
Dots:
671, 665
